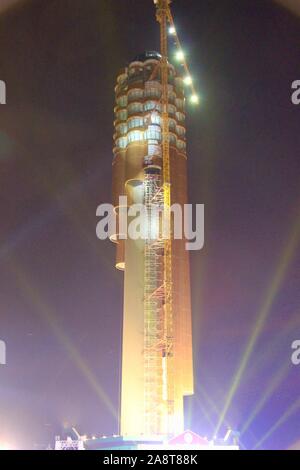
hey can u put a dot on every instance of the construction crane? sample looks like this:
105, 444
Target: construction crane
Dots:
162, 15
160, 393
159, 332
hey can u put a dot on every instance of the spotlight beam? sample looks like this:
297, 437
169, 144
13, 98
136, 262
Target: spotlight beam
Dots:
288, 413
264, 312
273, 385
216, 410
48, 315
268, 354
205, 412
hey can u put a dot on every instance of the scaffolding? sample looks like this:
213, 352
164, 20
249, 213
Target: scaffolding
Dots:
153, 302
159, 393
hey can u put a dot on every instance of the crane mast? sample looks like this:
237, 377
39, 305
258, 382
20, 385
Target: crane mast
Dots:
162, 14
163, 392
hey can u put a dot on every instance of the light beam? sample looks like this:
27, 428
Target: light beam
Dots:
288, 413
272, 291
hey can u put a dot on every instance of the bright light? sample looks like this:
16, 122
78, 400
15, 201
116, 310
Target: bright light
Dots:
179, 55
5, 446
188, 80
195, 99
172, 30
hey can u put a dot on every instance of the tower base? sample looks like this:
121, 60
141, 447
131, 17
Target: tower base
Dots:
188, 440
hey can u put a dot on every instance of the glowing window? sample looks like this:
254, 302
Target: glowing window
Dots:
122, 115
149, 105
180, 116
155, 118
135, 108
135, 122
122, 101
153, 133
121, 142
181, 145
180, 104
154, 149
180, 131
121, 128
152, 92
171, 109
135, 94
172, 124
135, 136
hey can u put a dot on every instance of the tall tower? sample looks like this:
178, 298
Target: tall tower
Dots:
157, 368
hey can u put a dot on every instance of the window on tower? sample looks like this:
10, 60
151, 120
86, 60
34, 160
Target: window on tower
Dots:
180, 131
172, 125
180, 104
121, 115
121, 128
122, 101
171, 109
135, 136
121, 142
150, 105
135, 94
134, 108
172, 139
153, 133
153, 92
181, 145
155, 118
135, 122
180, 117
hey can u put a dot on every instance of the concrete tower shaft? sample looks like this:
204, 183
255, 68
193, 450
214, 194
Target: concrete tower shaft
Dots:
137, 174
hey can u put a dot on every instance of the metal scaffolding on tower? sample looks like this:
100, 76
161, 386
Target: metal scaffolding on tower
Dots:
158, 315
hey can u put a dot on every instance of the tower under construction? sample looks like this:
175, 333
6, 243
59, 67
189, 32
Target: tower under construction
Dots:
150, 168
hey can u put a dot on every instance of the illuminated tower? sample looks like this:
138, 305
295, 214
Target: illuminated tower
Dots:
137, 174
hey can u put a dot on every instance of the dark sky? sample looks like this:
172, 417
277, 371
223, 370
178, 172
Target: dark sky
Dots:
61, 299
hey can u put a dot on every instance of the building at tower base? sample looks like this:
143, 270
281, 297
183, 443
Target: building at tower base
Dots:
186, 441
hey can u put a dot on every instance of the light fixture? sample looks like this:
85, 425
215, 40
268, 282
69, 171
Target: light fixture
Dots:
172, 30
179, 55
188, 80
195, 99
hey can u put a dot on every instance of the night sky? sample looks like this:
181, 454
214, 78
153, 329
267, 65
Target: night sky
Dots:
60, 296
